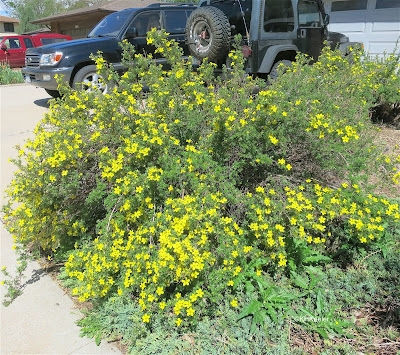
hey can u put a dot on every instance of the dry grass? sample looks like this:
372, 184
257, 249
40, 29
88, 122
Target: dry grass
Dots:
389, 138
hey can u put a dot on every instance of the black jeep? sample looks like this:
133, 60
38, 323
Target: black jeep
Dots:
273, 31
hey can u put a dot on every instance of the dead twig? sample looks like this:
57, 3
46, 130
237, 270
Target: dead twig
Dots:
366, 257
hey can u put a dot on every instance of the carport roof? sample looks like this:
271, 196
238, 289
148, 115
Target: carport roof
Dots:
107, 7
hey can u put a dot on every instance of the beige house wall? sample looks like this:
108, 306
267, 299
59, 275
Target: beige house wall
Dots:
78, 27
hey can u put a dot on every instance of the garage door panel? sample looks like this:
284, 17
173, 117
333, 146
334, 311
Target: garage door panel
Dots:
377, 28
348, 27
385, 26
381, 47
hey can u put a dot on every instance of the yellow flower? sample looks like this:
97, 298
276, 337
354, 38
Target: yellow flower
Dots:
273, 140
282, 262
146, 318
234, 303
178, 322
190, 312
199, 292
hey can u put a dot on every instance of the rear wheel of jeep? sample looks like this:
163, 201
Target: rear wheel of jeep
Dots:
208, 33
279, 68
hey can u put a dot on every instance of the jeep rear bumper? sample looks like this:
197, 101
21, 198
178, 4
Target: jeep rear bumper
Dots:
45, 78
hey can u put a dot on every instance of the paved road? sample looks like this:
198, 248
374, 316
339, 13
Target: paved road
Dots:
42, 320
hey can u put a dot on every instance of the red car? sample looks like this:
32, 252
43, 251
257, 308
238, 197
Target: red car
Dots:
12, 48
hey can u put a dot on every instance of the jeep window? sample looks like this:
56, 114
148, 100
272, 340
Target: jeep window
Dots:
111, 25
144, 22
28, 43
278, 16
175, 21
309, 14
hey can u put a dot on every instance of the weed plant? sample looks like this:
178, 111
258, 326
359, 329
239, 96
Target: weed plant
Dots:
209, 192
9, 76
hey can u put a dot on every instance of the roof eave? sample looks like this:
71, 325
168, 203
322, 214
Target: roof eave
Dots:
48, 20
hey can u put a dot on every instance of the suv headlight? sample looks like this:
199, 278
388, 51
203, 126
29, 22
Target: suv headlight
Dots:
51, 58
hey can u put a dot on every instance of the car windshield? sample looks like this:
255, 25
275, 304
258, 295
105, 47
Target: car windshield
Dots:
111, 25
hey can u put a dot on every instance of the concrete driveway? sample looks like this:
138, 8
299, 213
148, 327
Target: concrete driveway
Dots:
41, 320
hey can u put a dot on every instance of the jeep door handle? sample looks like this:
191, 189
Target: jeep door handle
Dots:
303, 33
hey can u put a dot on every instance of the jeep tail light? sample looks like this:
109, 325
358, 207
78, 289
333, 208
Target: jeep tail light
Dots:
246, 51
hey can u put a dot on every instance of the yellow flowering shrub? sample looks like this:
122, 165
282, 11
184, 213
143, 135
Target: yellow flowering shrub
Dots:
168, 196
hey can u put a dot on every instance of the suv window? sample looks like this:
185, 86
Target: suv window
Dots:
28, 43
52, 40
278, 16
12, 43
175, 22
145, 21
110, 25
309, 15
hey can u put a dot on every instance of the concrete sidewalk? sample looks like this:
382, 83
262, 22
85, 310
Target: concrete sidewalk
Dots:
43, 319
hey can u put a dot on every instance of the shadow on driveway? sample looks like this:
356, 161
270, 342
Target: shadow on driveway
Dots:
43, 102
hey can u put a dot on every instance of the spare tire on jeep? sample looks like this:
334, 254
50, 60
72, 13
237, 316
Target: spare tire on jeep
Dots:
208, 33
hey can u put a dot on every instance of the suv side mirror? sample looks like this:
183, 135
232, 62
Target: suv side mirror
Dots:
326, 19
132, 32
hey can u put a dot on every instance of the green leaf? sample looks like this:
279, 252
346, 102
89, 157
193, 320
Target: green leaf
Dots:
249, 287
250, 309
322, 332
97, 340
316, 258
302, 282
314, 281
320, 303
272, 313
314, 270
258, 319
238, 281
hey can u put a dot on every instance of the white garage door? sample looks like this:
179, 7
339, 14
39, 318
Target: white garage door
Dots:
375, 23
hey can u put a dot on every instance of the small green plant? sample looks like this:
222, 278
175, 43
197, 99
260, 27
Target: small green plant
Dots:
13, 283
314, 311
8, 75
321, 319
271, 304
